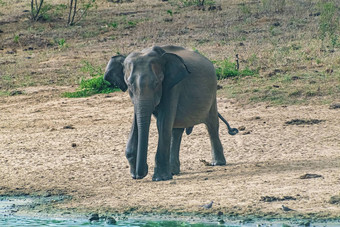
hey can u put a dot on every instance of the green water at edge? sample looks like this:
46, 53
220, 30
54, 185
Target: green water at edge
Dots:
9, 207
15, 221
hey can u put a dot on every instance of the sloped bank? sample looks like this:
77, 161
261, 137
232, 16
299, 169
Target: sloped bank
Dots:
30, 210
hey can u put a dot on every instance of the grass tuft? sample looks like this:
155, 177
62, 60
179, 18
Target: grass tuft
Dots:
226, 69
92, 86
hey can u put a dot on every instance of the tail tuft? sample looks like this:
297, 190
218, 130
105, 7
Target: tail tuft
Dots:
231, 131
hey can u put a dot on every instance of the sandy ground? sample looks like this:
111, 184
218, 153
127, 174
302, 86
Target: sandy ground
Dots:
51, 145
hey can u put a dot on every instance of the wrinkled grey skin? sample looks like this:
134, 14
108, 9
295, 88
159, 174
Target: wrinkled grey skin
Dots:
178, 87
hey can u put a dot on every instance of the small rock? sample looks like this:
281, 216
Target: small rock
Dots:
276, 24
220, 213
335, 199
111, 221
335, 106
221, 221
329, 71
74, 144
206, 163
68, 127
13, 93
315, 14
242, 128
94, 217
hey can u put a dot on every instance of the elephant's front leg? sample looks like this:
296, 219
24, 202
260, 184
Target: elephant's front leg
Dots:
131, 148
174, 150
162, 162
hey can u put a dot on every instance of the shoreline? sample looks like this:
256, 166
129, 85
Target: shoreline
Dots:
45, 207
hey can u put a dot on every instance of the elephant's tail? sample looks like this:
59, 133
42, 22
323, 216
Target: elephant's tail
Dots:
231, 131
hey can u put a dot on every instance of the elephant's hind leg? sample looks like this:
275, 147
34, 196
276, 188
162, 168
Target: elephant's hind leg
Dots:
212, 124
176, 139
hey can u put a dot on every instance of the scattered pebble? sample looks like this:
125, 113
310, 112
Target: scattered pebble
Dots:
334, 106
335, 199
110, 221
242, 128
221, 221
15, 92
94, 217
206, 163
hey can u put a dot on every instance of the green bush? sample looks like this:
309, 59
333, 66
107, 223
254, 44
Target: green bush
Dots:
92, 86
226, 69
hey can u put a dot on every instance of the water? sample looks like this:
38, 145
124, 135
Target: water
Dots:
32, 222
27, 221
10, 206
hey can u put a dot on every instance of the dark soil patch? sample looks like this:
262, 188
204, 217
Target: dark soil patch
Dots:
303, 122
275, 199
310, 176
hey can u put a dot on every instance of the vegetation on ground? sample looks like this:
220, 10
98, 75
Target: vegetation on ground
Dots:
95, 85
288, 51
226, 69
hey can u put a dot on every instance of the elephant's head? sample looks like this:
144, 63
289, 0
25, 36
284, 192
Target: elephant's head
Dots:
147, 75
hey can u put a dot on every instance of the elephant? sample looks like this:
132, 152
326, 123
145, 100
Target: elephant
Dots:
176, 86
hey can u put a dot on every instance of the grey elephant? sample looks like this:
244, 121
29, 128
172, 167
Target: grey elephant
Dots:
178, 87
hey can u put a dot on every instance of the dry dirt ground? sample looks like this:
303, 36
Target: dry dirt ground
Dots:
51, 145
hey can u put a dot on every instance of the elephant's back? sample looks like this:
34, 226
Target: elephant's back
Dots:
198, 93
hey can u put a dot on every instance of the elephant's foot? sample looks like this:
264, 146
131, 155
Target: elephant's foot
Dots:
175, 170
161, 175
175, 167
218, 163
134, 175
218, 159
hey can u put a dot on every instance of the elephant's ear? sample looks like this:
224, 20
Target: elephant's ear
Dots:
114, 72
175, 70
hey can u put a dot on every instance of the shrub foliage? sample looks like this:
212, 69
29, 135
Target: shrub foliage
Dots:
95, 85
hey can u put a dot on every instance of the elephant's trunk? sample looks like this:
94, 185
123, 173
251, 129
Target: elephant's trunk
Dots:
143, 114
